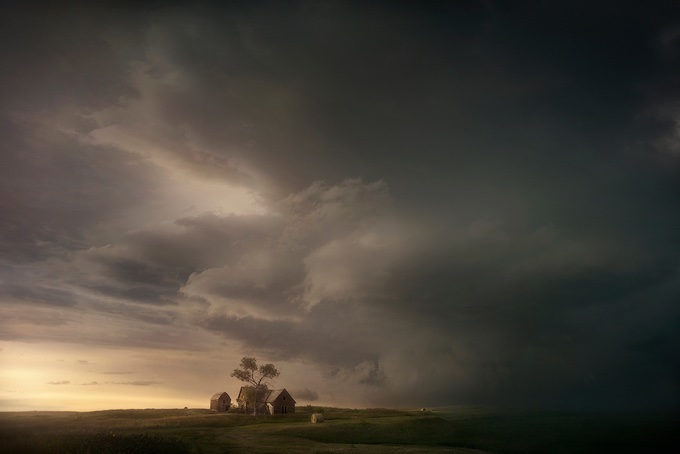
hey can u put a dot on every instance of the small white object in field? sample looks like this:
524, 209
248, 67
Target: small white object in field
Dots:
317, 417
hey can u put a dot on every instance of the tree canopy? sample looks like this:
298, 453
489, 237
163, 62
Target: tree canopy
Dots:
257, 377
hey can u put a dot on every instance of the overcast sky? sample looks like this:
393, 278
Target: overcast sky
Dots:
397, 204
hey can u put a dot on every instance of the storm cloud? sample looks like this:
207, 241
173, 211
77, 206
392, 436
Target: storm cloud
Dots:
474, 203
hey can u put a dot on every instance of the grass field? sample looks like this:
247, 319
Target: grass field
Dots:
453, 430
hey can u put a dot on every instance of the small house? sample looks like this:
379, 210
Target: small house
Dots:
220, 402
280, 402
274, 402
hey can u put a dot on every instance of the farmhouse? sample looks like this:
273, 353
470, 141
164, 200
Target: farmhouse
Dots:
220, 402
275, 402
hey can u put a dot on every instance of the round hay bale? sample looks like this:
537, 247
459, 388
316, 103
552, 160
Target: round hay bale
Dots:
317, 417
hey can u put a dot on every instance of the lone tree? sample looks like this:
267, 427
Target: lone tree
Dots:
257, 378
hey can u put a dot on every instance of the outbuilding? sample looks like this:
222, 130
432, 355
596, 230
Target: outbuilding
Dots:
220, 402
280, 402
274, 402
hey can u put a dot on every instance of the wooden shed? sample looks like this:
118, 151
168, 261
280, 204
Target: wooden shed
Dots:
220, 402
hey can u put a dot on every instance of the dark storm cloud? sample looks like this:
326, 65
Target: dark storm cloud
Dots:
54, 187
272, 275
57, 191
38, 294
138, 294
550, 83
530, 315
306, 394
151, 265
525, 252
329, 336
205, 241
375, 377
531, 319
50, 66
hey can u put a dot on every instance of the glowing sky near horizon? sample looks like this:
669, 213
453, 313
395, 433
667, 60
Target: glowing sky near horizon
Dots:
396, 204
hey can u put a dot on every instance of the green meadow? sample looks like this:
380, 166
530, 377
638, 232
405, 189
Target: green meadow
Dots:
450, 430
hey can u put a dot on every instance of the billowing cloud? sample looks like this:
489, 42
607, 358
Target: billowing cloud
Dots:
457, 203
305, 395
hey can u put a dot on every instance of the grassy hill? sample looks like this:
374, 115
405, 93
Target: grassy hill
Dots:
454, 430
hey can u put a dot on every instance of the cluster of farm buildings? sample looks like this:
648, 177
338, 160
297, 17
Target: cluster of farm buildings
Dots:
274, 402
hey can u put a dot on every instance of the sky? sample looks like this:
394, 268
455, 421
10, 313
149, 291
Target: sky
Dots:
399, 204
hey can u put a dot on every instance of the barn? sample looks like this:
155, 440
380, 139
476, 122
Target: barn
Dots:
220, 402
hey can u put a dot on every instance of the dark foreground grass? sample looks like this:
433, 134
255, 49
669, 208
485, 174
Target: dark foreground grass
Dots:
461, 430
427, 431
512, 432
568, 432
104, 443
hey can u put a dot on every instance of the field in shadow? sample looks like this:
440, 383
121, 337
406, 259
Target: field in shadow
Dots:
455, 430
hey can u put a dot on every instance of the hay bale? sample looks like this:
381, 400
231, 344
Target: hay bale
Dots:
317, 417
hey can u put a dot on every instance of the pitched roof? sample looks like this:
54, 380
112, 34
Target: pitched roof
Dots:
217, 396
270, 396
240, 392
274, 394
